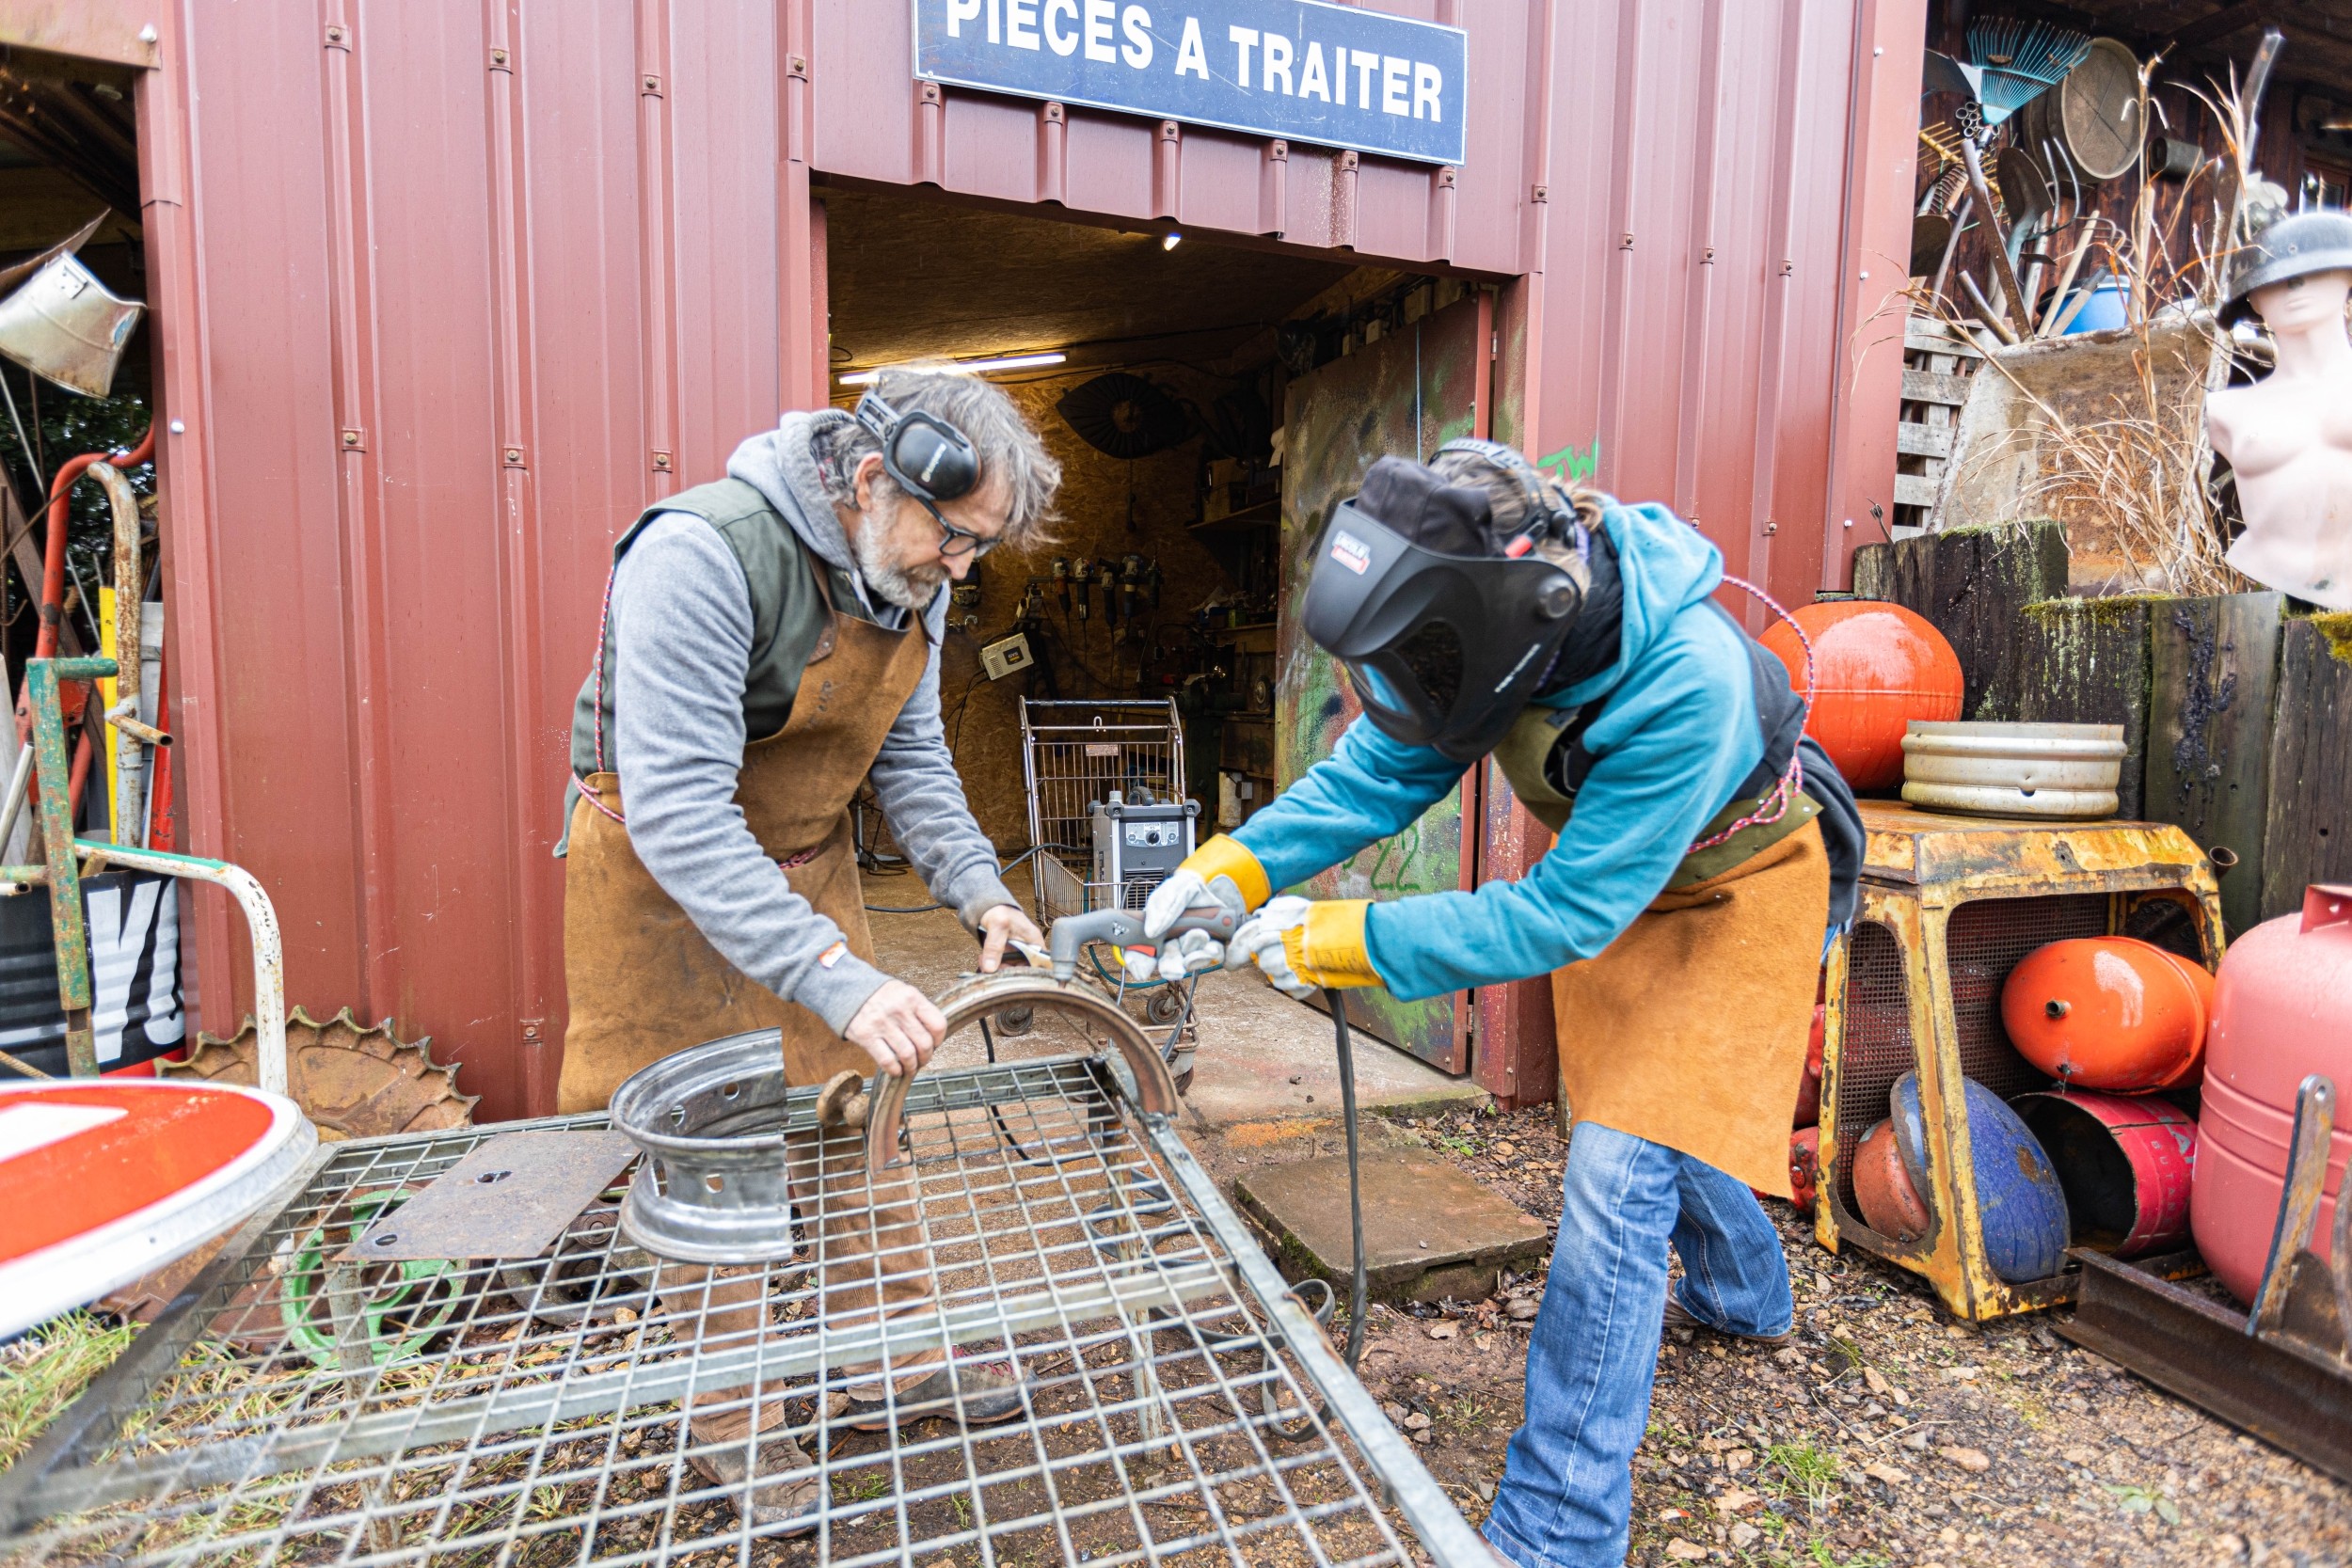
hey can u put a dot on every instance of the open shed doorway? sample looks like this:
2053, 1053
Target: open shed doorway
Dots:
1209, 404
69, 177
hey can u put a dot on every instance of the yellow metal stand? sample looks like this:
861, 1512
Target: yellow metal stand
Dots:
1948, 905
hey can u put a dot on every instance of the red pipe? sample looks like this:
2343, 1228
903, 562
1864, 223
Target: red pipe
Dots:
52, 584
52, 553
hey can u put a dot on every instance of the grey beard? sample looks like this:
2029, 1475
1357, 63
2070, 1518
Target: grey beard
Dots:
893, 583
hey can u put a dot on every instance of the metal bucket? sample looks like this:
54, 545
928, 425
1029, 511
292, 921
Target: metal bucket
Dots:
1984, 769
2125, 1163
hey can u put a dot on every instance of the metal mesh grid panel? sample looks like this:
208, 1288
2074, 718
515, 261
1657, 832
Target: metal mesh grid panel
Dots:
1075, 754
1986, 939
569, 1409
1875, 1047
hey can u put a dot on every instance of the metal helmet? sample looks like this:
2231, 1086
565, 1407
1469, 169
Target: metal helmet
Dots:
2319, 240
1447, 622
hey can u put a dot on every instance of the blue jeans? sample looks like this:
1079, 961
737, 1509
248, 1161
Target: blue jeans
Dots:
1567, 1486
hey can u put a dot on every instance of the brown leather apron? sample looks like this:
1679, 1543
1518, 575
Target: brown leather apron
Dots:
1689, 1029
643, 980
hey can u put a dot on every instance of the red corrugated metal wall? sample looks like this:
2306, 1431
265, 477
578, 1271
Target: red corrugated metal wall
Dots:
449, 289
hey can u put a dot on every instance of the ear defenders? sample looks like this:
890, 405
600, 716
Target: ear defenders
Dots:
1559, 521
924, 455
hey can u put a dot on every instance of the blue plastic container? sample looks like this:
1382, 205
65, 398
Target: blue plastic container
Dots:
2020, 1204
2105, 309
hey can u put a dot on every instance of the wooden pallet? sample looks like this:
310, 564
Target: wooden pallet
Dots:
1936, 368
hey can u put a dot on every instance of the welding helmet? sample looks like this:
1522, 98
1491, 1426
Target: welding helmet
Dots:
1446, 591
2295, 247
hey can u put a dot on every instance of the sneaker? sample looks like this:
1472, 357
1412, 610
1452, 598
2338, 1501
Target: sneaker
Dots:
1679, 1316
785, 1504
972, 1393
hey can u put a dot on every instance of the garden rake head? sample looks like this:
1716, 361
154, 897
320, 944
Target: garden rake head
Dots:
2010, 63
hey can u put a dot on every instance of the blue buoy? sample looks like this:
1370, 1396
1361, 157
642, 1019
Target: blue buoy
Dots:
2020, 1205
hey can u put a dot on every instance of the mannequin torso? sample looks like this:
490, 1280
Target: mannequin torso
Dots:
2288, 439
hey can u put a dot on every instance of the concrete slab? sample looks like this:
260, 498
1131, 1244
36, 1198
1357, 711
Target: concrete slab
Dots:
1263, 1057
1429, 1231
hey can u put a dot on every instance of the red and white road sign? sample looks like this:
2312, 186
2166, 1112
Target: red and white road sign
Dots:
105, 1180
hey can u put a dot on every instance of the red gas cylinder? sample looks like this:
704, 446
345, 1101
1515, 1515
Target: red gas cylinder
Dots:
1809, 1087
1805, 1168
2111, 1013
2282, 1009
1876, 667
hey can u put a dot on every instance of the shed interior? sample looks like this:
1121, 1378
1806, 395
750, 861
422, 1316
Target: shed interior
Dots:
1162, 577
69, 153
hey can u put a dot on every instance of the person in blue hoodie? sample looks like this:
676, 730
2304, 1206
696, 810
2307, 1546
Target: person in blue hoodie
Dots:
1707, 851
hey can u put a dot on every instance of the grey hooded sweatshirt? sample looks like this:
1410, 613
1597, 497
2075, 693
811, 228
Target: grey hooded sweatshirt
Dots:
681, 618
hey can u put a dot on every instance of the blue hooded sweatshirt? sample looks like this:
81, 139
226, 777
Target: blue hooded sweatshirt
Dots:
1676, 738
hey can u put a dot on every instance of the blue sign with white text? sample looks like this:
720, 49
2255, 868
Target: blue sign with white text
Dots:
1298, 69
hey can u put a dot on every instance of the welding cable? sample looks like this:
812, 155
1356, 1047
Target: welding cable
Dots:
1357, 1282
1002, 870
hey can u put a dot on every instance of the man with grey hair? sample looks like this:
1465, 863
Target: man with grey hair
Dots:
770, 642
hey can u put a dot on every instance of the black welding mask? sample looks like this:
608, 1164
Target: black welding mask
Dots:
1446, 614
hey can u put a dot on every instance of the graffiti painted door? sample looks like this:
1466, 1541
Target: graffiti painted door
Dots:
1416, 389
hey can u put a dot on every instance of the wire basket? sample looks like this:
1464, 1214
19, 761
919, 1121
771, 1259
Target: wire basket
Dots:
1181, 1407
1074, 756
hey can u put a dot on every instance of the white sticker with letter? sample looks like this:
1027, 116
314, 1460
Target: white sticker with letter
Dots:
1350, 551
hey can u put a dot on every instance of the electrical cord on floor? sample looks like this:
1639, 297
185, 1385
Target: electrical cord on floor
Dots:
1005, 869
1357, 1282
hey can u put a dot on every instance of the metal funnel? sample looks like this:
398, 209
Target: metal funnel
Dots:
58, 320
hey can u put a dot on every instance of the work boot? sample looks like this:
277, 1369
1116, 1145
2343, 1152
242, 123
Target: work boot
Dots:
971, 1393
785, 1496
1679, 1316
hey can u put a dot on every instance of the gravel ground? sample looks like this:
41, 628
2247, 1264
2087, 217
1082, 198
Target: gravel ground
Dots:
1886, 1434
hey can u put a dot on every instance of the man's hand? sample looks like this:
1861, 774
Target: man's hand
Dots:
1001, 924
899, 1027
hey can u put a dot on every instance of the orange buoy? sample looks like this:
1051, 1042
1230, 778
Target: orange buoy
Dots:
2110, 1013
1876, 667
1890, 1204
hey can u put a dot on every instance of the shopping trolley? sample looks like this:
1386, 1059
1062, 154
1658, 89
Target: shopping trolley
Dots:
1075, 755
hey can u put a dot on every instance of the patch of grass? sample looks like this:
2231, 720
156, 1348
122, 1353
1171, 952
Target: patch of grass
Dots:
864, 1490
2141, 1500
40, 1374
1846, 1349
1811, 1470
1455, 1144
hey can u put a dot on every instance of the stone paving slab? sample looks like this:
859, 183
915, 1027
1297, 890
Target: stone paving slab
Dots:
1430, 1231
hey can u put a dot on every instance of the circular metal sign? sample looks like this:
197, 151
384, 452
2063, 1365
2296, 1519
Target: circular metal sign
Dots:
105, 1180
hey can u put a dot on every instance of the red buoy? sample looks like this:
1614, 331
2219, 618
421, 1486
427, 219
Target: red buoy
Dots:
1876, 667
1890, 1204
2111, 1013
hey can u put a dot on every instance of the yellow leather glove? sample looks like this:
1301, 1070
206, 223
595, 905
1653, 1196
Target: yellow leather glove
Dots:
1303, 944
1191, 886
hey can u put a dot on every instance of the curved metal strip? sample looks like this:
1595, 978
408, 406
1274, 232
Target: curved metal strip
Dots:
984, 994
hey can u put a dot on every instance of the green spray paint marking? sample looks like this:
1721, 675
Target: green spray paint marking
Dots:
1573, 465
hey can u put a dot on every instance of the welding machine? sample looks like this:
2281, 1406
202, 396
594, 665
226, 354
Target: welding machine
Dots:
1135, 846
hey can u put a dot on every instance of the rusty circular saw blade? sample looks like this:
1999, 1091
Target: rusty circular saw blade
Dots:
352, 1080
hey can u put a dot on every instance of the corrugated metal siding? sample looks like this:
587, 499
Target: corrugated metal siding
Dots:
386, 260
1691, 260
450, 311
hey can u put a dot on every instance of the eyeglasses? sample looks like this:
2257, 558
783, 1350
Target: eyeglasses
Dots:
954, 541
